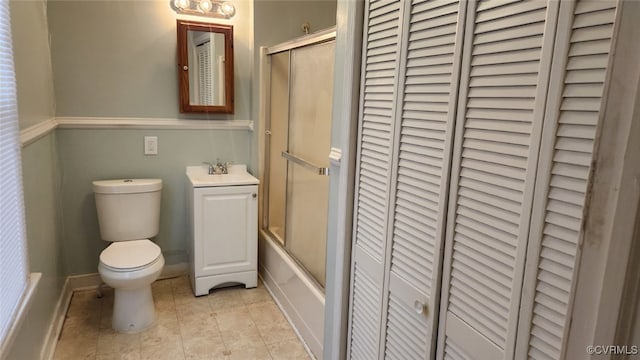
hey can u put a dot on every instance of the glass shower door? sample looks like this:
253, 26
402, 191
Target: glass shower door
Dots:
300, 142
311, 96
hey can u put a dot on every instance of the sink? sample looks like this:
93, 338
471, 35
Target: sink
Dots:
237, 175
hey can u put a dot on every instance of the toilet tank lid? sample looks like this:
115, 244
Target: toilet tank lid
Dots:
126, 186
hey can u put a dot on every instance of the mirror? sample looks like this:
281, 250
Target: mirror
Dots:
205, 67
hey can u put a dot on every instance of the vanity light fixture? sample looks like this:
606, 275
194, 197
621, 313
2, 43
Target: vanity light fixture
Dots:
205, 6
209, 8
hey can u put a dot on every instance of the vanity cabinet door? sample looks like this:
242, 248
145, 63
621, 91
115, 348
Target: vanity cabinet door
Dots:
225, 230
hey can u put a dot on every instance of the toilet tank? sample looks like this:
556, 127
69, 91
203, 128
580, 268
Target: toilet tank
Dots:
128, 209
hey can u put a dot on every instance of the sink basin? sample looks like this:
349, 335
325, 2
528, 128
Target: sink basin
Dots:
238, 175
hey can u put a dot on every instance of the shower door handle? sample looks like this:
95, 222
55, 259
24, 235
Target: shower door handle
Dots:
304, 163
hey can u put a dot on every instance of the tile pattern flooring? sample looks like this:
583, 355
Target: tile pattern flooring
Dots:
229, 324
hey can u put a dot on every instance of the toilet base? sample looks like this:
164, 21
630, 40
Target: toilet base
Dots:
133, 309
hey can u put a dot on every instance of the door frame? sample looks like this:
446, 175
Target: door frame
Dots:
613, 199
346, 95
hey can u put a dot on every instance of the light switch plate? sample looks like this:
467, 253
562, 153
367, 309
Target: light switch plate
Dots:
151, 145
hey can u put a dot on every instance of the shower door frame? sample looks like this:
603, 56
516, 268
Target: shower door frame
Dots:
311, 329
318, 38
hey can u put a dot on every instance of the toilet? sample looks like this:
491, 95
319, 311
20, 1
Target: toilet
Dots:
129, 214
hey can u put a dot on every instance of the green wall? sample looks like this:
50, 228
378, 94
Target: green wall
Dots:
44, 245
88, 155
119, 59
32, 61
40, 174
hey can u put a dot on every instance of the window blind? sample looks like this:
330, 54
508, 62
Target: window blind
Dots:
205, 72
13, 263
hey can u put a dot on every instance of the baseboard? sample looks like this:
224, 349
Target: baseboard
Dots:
55, 328
92, 281
175, 270
86, 282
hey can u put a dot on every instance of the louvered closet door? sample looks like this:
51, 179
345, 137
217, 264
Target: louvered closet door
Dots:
573, 111
429, 70
505, 72
408, 112
377, 108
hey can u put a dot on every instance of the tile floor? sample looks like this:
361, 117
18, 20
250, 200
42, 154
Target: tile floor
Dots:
229, 324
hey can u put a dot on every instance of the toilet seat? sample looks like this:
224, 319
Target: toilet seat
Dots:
130, 255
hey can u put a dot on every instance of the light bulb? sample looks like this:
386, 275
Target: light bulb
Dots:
181, 4
205, 5
227, 9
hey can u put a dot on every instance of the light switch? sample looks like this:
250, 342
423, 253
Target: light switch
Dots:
151, 145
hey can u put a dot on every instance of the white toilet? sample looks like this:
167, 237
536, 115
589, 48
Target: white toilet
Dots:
129, 214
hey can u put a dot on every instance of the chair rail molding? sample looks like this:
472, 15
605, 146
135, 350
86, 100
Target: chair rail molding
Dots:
35, 132
151, 123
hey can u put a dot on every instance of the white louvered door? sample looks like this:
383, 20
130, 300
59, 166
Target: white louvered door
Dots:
505, 72
380, 54
429, 73
575, 97
406, 134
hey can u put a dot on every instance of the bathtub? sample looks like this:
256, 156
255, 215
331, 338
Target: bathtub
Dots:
297, 294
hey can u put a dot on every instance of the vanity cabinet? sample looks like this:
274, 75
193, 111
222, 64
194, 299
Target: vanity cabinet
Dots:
223, 245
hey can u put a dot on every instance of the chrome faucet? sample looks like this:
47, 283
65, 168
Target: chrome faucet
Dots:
217, 169
221, 168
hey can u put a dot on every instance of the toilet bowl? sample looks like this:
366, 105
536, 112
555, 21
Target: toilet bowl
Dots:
130, 267
128, 214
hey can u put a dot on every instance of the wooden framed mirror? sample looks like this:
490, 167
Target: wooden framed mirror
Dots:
205, 67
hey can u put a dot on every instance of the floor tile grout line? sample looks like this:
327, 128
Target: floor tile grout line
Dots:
226, 350
98, 324
245, 307
260, 334
175, 309
101, 300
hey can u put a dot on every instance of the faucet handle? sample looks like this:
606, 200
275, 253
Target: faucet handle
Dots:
221, 168
211, 167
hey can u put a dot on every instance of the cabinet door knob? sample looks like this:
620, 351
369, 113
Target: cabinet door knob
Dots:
254, 195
